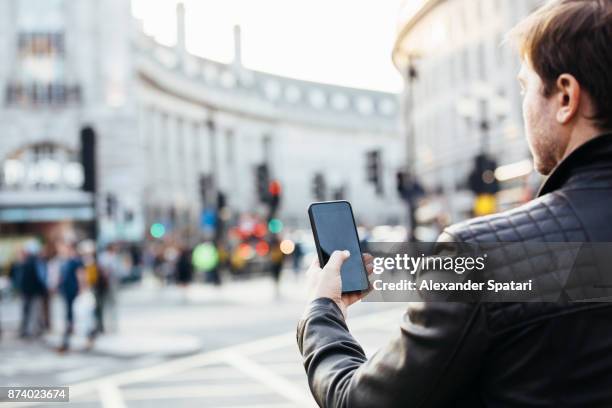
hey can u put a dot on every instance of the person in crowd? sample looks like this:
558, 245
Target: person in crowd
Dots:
71, 276
33, 288
97, 282
111, 270
15, 269
473, 354
184, 269
136, 260
53, 263
276, 258
170, 255
298, 255
43, 271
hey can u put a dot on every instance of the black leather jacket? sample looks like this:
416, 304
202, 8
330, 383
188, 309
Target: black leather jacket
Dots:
486, 354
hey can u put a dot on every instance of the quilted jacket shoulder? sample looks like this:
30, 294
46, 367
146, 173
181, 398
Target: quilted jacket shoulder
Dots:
550, 218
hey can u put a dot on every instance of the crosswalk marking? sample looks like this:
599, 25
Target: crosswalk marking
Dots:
110, 395
264, 375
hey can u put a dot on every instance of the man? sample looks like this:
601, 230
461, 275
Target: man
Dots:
502, 354
71, 276
33, 290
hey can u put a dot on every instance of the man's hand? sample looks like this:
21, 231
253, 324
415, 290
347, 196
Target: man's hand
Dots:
327, 283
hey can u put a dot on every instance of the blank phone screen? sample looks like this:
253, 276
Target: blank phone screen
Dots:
335, 228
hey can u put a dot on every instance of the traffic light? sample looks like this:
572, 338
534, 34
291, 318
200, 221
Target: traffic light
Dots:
401, 177
318, 187
221, 200
88, 159
205, 184
338, 193
485, 204
373, 169
111, 205
483, 183
274, 190
482, 178
262, 182
408, 187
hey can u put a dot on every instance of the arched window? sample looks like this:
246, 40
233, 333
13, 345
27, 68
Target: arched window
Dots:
42, 165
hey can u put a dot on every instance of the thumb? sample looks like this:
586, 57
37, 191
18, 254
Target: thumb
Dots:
336, 259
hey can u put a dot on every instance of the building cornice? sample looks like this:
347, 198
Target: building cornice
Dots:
405, 26
156, 65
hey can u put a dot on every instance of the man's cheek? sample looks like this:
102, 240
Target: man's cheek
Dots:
528, 118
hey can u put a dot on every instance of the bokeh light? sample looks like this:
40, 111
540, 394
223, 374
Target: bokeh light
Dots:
275, 226
157, 230
262, 248
260, 230
287, 246
205, 257
245, 251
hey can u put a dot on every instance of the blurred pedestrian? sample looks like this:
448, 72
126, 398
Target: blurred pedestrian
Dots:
136, 262
71, 273
97, 285
110, 264
298, 255
53, 265
184, 270
15, 270
43, 272
32, 287
170, 255
276, 258
183, 267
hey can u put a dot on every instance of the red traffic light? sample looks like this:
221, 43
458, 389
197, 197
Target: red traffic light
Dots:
274, 188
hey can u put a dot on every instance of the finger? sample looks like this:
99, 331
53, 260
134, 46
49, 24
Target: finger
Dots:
370, 268
315, 263
336, 259
367, 258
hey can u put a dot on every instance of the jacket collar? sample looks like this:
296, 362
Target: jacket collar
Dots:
588, 155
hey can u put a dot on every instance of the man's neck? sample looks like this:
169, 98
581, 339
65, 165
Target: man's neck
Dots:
580, 135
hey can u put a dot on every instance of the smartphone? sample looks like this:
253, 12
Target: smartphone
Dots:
333, 227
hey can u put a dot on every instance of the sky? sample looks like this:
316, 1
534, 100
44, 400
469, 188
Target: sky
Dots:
343, 42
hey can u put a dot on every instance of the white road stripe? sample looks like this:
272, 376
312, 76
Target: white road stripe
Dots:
264, 375
110, 395
69, 377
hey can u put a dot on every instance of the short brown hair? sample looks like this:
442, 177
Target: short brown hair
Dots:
573, 37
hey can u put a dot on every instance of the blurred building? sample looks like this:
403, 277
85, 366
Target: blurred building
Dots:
168, 124
461, 96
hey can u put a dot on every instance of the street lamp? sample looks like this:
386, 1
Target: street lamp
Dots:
408, 195
475, 108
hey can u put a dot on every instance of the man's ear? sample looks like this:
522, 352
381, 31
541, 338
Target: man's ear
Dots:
568, 94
